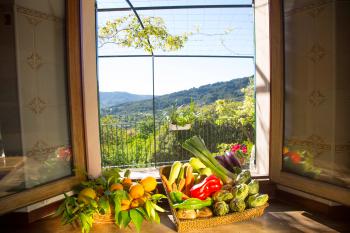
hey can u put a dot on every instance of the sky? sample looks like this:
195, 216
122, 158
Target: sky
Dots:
134, 74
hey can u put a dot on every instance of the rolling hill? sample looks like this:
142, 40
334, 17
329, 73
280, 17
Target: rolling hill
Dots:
202, 95
108, 99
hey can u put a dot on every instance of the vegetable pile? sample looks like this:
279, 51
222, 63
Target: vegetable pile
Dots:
110, 194
210, 186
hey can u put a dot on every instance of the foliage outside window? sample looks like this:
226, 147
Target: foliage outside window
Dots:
138, 139
128, 32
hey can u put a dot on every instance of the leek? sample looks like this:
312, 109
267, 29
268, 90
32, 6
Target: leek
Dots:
196, 146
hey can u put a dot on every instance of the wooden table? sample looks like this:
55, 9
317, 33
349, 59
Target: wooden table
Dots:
278, 218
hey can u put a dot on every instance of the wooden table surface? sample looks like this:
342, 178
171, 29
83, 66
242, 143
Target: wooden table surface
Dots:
279, 217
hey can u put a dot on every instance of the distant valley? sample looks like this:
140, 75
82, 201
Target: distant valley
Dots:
126, 103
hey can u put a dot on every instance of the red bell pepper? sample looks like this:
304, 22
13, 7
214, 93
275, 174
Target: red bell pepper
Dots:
208, 186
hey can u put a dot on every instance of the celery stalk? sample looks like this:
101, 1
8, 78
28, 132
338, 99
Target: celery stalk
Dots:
196, 146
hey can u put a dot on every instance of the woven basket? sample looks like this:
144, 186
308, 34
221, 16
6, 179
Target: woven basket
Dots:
200, 223
105, 218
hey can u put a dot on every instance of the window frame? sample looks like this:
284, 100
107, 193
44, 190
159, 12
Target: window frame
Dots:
262, 79
74, 77
318, 188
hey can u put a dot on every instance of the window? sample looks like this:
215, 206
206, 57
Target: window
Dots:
151, 101
41, 126
309, 146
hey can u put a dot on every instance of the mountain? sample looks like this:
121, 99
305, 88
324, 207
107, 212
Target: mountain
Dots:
202, 95
115, 98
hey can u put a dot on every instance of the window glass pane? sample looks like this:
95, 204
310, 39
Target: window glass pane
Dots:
316, 135
101, 4
110, 48
35, 143
125, 89
214, 86
223, 31
203, 87
210, 32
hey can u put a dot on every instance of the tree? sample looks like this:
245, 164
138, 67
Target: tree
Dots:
128, 32
240, 114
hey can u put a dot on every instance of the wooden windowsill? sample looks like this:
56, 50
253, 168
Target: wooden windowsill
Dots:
279, 217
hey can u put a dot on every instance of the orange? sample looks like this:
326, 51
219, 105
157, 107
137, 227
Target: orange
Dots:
147, 195
127, 182
135, 203
116, 186
149, 183
86, 194
125, 205
141, 200
136, 191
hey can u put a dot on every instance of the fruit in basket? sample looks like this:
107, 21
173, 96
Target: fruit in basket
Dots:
136, 191
126, 182
186, 214
241, 192
196, 146
125, 204
253, 187
196, 164
206, 188
174, 171
221, 208
257, 200
149, 183
141, 201
176, 196
101, 201
222, 195
86, 195
135, 203
205, 171
237, 205
115, 187
193, 204
243, 177
100, 190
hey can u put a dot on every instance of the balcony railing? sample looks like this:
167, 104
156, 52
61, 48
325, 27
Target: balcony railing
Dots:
134, 144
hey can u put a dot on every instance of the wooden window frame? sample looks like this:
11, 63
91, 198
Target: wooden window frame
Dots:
74, 74
317, 188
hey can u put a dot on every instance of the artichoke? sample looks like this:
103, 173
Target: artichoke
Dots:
237, 205
257, 200
241, 191
221, 208
243, 177
227, 187
222, 195
253, 187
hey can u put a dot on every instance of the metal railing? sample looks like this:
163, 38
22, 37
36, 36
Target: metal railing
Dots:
131, 143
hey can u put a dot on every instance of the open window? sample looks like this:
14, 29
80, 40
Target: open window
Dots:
310, 98
41, 121
200, 80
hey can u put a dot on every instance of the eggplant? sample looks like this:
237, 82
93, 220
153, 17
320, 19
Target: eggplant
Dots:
234, 161
229, 161
221, 159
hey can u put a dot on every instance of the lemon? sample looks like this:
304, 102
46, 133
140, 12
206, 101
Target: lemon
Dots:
86, 194
149, 183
